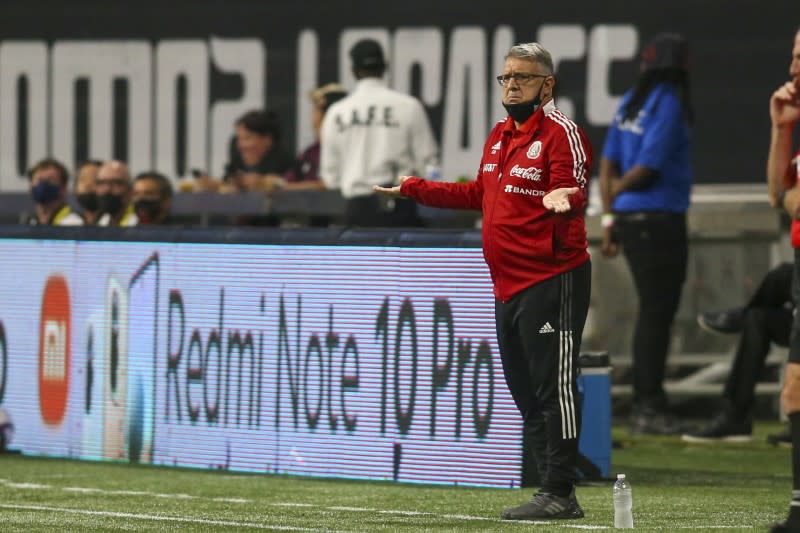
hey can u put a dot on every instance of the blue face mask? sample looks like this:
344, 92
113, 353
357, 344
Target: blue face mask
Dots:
45, 192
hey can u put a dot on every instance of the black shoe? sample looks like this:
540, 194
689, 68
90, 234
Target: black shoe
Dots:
783, 438
655, 422
723, 428
785, 527
730, 321
544, 505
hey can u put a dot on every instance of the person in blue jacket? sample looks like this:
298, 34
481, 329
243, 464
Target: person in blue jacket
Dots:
645, 182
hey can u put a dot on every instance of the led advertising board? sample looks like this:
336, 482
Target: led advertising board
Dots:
361, 362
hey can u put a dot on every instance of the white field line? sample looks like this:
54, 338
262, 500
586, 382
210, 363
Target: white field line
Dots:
92, 490
437, 515
177, 496
181, 496
139, 516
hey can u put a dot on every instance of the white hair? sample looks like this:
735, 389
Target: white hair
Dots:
532, 52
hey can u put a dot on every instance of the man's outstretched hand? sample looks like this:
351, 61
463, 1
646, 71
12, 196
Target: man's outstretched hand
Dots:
391, 191
557, 200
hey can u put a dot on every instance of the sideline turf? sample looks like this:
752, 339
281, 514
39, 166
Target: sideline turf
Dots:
676, 487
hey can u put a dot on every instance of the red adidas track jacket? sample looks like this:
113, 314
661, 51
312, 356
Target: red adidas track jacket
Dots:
523, 242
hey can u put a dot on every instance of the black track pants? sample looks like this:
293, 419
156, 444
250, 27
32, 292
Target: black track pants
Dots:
539, 334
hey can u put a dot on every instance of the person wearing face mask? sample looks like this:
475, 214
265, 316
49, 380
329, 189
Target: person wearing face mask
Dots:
152, 198
48, 186
85, 192
532, 189
645, 183
113, 186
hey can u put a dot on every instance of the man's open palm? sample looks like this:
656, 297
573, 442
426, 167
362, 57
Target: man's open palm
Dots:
558, 199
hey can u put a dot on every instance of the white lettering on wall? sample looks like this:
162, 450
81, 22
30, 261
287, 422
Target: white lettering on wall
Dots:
466, 72
503, 40
607, 43
566, 42
176, 60
151, 132
22, 60
307, 61
248, 58
455, 72
423, 48
101, 63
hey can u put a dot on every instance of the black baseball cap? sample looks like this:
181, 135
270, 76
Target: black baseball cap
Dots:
367, 54
666, 51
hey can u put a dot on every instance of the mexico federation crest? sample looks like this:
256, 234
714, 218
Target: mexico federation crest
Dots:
535, 149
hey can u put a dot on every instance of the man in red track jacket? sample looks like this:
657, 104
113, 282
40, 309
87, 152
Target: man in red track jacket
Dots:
531, 188
783, 177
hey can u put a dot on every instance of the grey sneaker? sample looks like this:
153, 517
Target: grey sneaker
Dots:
544, 505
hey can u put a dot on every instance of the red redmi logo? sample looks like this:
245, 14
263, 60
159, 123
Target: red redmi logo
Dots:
54, 351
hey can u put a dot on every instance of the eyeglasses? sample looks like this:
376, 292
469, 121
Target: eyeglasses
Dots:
113, 182
519, 77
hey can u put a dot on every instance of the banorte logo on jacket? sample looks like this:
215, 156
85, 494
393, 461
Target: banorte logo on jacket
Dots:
522, 190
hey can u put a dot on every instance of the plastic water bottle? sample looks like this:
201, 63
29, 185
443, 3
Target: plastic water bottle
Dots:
623, 503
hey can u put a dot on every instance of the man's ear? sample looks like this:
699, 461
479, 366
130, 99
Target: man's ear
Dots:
550, 82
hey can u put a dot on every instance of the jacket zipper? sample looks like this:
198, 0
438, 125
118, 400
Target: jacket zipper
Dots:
491, 217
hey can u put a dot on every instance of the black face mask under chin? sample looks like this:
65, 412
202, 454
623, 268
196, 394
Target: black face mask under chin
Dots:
522, 111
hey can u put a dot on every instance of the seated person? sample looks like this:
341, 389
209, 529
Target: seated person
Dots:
48, 186
257, 160
85, 190
257, 163
766, 318
152, 198
304, 174
114, 195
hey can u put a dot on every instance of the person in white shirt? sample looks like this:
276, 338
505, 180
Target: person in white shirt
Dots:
371, 137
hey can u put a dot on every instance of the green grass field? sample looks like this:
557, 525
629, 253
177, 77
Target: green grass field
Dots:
676, 487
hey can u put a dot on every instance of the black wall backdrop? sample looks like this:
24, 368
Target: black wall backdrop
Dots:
159, 83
